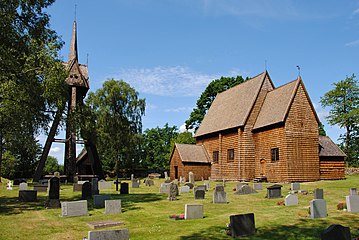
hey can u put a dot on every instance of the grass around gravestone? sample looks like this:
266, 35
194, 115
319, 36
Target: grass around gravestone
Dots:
145, 212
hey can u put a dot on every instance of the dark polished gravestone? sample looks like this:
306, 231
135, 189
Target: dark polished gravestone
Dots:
124, 188
53, 200
242, 225
199, 193
274, 191
28, 195
86, 190
318, 193
336, 232
94, 185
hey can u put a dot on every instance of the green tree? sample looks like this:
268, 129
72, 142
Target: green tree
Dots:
343, 101
32, 77
183, 137
207, 97
115, 121
157, 146
52, 165
322, 131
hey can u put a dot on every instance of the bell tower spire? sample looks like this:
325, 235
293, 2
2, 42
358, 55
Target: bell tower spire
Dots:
73, 47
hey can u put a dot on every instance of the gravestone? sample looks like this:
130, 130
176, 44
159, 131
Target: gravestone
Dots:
103, 185
99, 200
94, 184
166, 175
207, 185
22, 186
121, 234
74, 208
352, 203
104, 224
191, 177
318, 208
190, 185
193, 211
353, 191
112, 206
290, 200
219, 195
86, 190
124, 188
336, 232
199, 193
173, 193
242, 225
117, 182
165, 188
135, 183
200, 187
295, 186
76, 179
28, 195
132, 176
257, 186
9, 185
40, 188
274, 191
76, 187
245, 189
239, 186
149, 182
184, 189
53, 200
318, 193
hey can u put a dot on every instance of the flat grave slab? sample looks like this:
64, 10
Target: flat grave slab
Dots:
103, 224
28, 195
121, 234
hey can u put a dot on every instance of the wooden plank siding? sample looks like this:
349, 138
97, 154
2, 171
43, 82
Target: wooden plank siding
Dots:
332, 168
212, 144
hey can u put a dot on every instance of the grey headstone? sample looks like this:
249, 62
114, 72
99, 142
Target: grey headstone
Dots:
173, 193
219, 187
77, 187
74, 209
219, 195
99, 200
295, 186
244, 190
257, 186
274, 191
166, 175
352, 203
191, 177
240, 185
290, 200
94, 184
22, 186
40, 188
28, 195
124, 188
165, 188
318, 208
242, 225
86, 190
318, 193
199, 193
149, 182
190, 185
184, 189
193, 211
121, 234
353, 191
135, 183
336, 232
112, 206
103, 185
207, 185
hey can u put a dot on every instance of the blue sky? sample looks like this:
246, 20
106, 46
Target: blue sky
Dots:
169, 50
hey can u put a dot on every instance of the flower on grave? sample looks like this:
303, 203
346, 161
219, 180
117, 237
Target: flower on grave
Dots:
234, 189
341, 206
280, 203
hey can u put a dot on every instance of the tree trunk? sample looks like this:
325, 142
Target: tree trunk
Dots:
347, 139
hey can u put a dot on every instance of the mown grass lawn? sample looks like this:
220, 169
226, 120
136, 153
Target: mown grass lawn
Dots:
146, 213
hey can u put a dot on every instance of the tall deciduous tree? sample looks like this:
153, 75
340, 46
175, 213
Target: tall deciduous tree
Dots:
116, 121
31, 76
207, 97
343, 101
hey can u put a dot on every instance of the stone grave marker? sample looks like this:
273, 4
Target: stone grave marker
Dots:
184, 189
112, 206
191, 177
135, 183
295, 186
53, 200
193, 211
40, 188
318, 208
257, 186
274, 191
290, 200
76, 187
166, 175
245, 189
149, 182
99, 200
103, 224
242, 225
74, 208
239, 186
103, 185
124, 188
207, 185
318, 193
132, 176
165, 188
121, 234
353, 191
28, 195
86, 190
22, 186
9, 185
173, 193
199, 193
190, 185
336, 232
352, 201
219, 195
94, 185
201, 187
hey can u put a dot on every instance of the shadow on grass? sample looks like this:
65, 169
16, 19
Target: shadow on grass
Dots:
128, 201
12, 205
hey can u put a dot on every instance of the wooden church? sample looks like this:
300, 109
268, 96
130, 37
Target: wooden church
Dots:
255, 130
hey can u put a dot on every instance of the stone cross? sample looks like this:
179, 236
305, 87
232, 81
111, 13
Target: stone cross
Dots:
9, 185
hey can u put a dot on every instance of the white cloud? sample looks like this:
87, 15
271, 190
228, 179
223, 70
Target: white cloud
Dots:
55, 150
182, 129
352, 44
356, 11
179, 109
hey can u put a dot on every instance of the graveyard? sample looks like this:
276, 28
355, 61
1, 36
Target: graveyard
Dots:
146, 213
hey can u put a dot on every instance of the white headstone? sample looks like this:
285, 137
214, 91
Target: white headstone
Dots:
165, 188
74, 209
290, 200
318, 208
191, 177
295, 186
184, 189
193, 211
22, 186
112, 206
121, 234
102, 184
257, 186
9, 185
166, 176
352, 203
